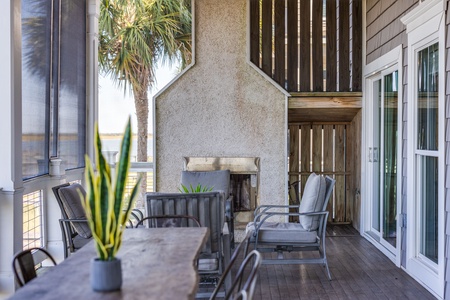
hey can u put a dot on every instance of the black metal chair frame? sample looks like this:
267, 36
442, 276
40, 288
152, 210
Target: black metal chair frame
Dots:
22, 261
65, 223
233, 286
264, 212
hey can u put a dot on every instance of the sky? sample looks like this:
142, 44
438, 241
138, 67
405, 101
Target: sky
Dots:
115, 106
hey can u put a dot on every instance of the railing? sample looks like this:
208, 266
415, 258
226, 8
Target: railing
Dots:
138, 169
32, 220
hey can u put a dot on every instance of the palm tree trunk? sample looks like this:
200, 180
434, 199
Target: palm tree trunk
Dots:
141, 105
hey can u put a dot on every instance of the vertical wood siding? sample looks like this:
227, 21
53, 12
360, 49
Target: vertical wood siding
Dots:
331, 45
325, 149
321, 42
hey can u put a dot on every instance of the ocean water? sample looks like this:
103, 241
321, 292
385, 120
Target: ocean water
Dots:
112, 143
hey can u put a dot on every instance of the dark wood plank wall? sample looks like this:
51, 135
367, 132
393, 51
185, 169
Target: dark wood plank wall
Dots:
305, 51
317, 52
331, 46
266, 40
344, 46
254, 32
292, 31
280, 33
357, 45
327, 149
292, 46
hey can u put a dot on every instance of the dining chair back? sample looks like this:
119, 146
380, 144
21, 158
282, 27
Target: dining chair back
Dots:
24, 264
208, 208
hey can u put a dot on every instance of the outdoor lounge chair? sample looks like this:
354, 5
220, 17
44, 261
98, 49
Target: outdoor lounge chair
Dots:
208, 209
306, 235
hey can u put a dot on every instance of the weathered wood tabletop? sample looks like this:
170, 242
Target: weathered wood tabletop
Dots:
157, 263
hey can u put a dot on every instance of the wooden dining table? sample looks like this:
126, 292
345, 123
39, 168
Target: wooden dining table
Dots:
157, 263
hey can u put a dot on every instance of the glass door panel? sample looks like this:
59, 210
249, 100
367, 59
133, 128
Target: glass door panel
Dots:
427, 152
388, 163
429, 207
373, 151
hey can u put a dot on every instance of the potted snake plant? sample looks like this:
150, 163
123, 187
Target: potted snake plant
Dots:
107, 210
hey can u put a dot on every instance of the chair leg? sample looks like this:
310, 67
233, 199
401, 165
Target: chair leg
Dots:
328, 270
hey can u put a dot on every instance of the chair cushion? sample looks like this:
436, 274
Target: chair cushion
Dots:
283, 233
312, 201
70, 198
218, 180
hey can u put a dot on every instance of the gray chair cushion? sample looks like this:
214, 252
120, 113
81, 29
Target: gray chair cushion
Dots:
71, 200
312, 201
218, 180
283, 233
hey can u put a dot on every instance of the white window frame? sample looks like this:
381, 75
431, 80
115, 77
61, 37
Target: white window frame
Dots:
425, 27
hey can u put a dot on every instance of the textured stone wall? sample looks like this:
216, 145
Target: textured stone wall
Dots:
221, 106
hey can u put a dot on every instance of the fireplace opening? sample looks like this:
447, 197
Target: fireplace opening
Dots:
241, 190
244, 177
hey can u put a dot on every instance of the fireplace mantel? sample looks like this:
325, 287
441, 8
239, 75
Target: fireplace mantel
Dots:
236, 165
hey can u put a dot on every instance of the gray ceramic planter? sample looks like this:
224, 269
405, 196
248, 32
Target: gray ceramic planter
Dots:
106, 275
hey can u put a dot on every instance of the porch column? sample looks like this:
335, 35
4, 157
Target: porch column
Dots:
11, 189
93, 11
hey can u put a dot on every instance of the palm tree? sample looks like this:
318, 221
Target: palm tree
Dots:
134, 35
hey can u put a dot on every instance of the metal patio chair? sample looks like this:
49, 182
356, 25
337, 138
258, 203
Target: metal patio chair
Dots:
24, 264
208, 208
74, 225
229, 286
306, 235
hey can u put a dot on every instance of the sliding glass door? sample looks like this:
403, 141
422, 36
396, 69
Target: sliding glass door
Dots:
383, 158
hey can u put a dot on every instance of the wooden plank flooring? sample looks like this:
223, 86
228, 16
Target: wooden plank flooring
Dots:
358, 269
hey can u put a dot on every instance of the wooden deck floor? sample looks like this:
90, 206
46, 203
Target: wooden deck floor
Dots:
358, 269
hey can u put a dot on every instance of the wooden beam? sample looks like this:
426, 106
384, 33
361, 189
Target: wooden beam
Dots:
326, 94
325, 102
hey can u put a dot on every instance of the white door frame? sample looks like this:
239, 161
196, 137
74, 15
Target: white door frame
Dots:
389, 62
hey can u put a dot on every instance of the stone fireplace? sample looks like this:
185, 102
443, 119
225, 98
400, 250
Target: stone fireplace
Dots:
223, 112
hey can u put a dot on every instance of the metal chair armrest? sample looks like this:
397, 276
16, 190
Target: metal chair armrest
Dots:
264, 208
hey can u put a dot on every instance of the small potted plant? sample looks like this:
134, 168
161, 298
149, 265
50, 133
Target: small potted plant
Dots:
107, 211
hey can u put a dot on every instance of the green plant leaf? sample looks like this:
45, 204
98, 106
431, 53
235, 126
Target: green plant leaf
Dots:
198, 189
